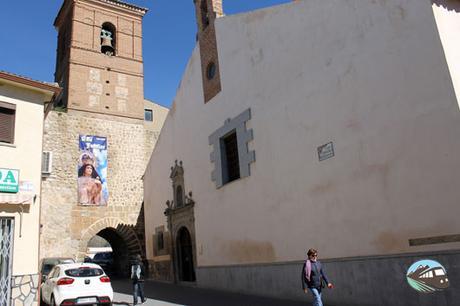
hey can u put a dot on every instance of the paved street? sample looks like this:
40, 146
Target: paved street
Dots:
161, 294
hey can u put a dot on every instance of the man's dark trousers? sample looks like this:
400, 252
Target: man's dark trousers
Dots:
138, 291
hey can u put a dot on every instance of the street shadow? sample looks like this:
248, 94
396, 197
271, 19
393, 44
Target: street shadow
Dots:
193, 296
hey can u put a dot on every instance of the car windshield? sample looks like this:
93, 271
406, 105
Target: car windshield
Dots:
84, 272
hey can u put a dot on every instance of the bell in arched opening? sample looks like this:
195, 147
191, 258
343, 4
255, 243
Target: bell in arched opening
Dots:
107, 42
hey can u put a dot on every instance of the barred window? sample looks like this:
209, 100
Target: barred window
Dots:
231, 163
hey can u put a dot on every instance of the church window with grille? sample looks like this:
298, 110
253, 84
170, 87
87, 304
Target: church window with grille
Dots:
230, 159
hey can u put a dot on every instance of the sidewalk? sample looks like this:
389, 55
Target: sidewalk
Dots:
162, 294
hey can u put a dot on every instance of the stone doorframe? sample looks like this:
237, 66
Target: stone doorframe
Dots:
125, 231
180, 216
184, 219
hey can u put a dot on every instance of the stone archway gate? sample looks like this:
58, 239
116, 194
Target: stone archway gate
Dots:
126, 232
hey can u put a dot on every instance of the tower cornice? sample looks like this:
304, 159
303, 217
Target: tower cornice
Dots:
109, 4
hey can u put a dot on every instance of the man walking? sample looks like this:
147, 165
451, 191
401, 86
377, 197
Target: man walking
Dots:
312, 276
137, 276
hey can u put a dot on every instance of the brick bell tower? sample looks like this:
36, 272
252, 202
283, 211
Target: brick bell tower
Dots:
206, 13
99, 65
99, 57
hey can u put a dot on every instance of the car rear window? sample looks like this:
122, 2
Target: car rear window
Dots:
84, 272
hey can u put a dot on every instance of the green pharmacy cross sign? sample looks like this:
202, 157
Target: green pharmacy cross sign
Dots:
9, 180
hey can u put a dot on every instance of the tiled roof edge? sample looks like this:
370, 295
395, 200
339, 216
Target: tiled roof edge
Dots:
126, 5
30, 82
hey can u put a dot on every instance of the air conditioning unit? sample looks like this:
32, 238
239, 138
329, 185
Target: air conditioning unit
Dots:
47, 162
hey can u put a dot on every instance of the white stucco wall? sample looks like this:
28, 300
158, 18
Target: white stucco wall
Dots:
447, 14
368, 75
25, 154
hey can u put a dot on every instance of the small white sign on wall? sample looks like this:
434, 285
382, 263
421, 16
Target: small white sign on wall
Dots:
326, 151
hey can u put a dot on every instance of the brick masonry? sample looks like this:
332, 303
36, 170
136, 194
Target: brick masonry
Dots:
92, 80
208, 45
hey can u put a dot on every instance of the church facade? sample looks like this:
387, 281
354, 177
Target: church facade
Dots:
100, 133
315, 124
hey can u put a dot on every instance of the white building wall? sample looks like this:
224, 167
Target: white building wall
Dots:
25, 154
371, 77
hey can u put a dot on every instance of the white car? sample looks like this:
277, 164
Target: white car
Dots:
77, 284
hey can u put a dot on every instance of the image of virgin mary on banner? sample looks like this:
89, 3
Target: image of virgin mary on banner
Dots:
92, 171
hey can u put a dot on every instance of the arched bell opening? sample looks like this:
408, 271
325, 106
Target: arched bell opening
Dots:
108, 39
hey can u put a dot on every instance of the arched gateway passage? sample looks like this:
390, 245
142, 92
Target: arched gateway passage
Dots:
122, 239
185, 256
115, 263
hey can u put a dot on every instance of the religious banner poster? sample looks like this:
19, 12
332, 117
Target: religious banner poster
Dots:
92, 171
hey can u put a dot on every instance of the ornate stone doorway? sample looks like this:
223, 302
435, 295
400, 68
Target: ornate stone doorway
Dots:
185, 256
181, 228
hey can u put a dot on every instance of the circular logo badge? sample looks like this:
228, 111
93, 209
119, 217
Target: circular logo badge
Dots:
427, 276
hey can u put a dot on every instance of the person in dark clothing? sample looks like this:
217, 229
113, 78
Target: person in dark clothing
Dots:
137, 276
312, 276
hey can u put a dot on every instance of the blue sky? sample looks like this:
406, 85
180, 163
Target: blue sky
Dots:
28, 39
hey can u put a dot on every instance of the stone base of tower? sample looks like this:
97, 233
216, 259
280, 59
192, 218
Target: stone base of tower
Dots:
66, 226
